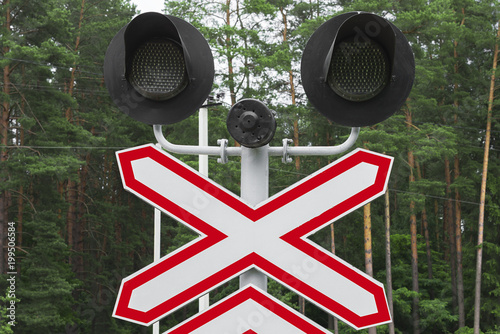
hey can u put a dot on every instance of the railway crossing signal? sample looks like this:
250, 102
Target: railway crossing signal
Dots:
357, 70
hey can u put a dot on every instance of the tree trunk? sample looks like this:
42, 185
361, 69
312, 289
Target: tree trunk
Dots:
4, 135
302, 303
458, 213
436, 215
71, 215
388, 270
367, 220
71, 84
430, 275
482, 200
230, 67
425, 225
414, 268
450, 229
81, 221
458, 244
20, 199
413, 231
333, 323
292, 89
72, 186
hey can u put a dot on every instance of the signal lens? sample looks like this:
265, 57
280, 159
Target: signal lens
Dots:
359, 70
158, 70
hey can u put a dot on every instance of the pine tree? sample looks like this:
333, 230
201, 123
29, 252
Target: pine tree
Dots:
47, 282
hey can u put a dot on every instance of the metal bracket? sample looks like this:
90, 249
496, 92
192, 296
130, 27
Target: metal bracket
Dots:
223, 151
284, 151
286, 157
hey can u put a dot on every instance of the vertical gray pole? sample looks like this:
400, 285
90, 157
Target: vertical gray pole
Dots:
203, 301
203, 139
156, 252
254, 189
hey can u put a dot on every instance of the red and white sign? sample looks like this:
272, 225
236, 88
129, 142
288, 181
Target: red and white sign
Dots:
249, 311
235, 236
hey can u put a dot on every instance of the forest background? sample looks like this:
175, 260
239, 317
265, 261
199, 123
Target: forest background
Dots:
78, 233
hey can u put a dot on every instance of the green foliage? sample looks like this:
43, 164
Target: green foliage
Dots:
436, 316
465, 330
5, 321
47, 282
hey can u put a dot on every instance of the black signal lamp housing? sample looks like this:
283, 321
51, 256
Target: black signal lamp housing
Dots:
357, 69
159, 69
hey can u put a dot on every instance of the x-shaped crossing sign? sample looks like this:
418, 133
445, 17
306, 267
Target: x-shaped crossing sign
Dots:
235, 236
